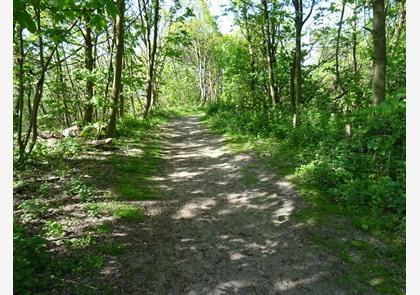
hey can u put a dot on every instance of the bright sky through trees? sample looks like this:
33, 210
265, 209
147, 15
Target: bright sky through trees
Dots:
224, 20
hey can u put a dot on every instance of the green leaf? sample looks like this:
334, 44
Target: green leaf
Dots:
26, 21
111, 8
98, 22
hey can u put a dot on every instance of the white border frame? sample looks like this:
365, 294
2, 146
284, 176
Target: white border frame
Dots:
6, 147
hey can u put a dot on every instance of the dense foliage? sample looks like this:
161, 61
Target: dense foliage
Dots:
349, 147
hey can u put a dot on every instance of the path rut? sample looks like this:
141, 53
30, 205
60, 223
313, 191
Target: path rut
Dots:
223, 226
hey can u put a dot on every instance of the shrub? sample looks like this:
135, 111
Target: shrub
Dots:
29, 259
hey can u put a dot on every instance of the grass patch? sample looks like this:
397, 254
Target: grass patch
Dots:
376, 265
50, 255
127, 212
118, 210
133, 172
113, 248
104, 228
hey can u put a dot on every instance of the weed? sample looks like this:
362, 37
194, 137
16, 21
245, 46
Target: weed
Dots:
32, 209
78, 187
53, 229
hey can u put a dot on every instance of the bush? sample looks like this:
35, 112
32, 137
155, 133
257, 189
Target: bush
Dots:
29, 259
365, 173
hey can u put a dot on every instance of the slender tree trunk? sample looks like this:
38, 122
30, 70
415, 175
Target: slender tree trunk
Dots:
151, 65
116, 85
110, 66
33, 125
379, 48
354, 40
299, 22
133, 108
21, 93
399, 30
250, 49
122, 101
270, 56
62, 91
88, 109
66, 65
204, 80
293, 88
338, 82
298, 57
200, 83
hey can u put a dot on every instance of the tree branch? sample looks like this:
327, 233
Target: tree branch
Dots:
310, 12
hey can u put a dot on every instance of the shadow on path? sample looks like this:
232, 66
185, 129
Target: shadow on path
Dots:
222, 226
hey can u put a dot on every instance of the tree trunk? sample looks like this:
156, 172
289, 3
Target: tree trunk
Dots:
122, 102
88, 110
21, 93
354, 40
33, 124
298, 57
270, 56
62, 91
110, 66
292, 88
298, 53
116, 85
379, 48
299, 22
151, 64
338, 83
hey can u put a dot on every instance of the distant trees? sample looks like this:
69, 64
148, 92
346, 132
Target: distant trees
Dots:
69, 59
87, 63
31, 60
288, 59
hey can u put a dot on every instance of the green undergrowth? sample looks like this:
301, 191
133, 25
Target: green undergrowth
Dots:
118, 210
361, 179
104, 184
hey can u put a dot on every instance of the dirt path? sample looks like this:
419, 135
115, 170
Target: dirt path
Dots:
222, 226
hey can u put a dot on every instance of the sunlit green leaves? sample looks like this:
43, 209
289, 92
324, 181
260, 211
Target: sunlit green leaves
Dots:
22, 16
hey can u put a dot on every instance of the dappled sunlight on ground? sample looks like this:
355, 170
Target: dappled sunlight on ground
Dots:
223, 226
191, 209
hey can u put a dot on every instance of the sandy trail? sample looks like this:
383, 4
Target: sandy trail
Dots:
222, 226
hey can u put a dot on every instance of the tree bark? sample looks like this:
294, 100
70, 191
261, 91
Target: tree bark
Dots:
151, 63
379, 48
88, 110
299, 22
116, 85
298, 51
